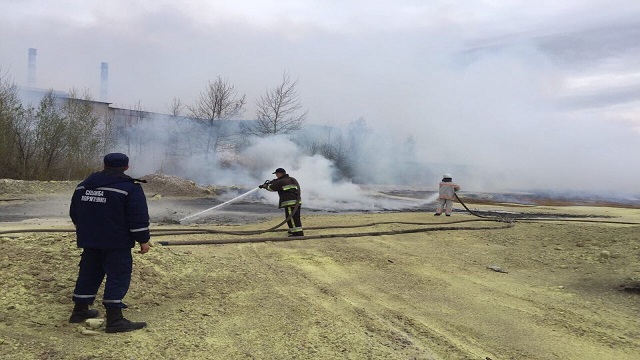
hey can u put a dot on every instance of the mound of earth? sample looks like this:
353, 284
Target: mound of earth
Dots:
10, 187
157, 185
169, 185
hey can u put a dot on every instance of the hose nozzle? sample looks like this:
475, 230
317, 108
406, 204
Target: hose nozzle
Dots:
265, 184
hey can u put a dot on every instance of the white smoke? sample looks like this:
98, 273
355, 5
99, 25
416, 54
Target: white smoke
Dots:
251, 166
316, 176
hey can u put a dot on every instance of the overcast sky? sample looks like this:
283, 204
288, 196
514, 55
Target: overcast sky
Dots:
539, 94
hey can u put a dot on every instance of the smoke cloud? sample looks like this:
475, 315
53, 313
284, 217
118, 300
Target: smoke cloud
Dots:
514, 96
321, 187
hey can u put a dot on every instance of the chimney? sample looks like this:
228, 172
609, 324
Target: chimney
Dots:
31, 79
104, 81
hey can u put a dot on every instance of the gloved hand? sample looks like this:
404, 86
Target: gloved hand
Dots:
265, 184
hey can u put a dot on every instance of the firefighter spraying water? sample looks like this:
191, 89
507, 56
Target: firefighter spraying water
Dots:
288, 190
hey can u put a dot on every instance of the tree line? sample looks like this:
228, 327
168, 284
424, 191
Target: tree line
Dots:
54, 139
64, 138
278, 110
61, 138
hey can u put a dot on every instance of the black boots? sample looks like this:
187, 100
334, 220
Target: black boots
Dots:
296, 234
81, 312
117, 323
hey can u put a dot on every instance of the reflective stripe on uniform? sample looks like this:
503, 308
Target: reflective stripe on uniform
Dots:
84, 296
111, 301
139, 229
113, 189
290, 203
296, 229
289, 187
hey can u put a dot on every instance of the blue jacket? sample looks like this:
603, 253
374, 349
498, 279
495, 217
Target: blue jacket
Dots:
110, 211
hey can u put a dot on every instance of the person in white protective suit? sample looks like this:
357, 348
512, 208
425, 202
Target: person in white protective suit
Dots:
447, 194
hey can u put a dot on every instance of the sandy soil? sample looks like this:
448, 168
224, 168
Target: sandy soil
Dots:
425, 295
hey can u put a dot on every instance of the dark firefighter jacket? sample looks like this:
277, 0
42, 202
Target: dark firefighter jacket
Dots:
287, 188
110, 211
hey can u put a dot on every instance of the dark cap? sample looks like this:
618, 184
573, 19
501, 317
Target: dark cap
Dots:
279, 170
116, 160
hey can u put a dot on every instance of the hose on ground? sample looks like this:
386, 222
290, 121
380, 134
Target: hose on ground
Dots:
325, 236
181, 231
497, 218
534, 219
178, 231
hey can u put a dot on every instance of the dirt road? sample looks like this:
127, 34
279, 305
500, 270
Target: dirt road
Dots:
413, 296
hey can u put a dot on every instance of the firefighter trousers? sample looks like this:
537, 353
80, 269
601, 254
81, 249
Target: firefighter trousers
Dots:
95, 264
295, 225
446, 204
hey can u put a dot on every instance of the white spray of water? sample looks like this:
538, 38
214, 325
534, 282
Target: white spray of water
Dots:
219, 205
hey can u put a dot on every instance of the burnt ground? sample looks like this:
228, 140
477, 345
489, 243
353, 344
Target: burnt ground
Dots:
168, 210
172, 198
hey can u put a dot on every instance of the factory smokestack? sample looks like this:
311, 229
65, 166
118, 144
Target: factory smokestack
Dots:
31, 79
104, 81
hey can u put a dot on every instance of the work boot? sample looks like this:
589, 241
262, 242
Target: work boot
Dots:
296, 234
436, 214
81, 312
117, 323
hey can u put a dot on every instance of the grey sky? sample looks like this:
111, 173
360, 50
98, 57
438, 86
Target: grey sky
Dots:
531, 93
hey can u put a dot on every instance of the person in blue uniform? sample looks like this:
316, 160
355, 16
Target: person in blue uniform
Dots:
109, 210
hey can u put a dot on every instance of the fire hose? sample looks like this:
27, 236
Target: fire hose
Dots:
326, 236
297, 204
497, 218
534, 219
508, 222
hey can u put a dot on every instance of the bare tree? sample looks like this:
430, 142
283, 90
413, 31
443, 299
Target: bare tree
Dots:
278, 110
128, 129
335, 150
359, 135
108, 126
218, 102
86, 134
176, 107
25, 141
51, 140
140, 116
11, 110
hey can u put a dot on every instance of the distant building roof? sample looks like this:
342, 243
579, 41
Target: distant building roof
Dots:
33, 94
